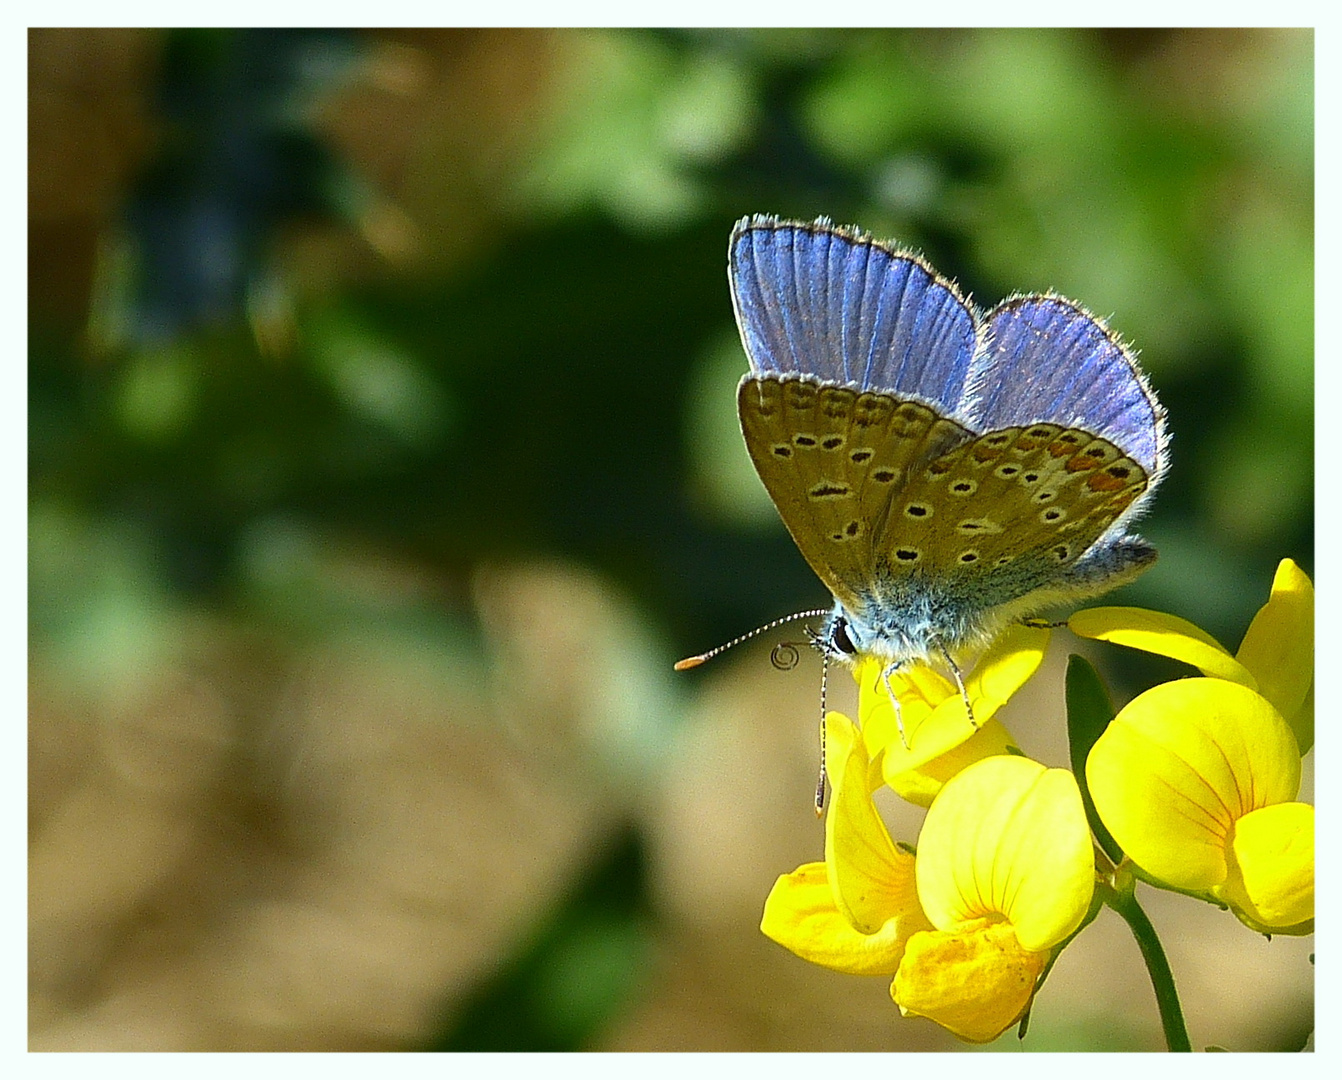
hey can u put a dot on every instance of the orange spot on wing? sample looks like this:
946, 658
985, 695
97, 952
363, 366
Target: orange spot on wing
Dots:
1104, 482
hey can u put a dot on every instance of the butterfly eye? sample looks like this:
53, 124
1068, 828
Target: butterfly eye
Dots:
840, 639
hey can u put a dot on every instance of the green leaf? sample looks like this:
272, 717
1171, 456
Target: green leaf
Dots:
1089, 711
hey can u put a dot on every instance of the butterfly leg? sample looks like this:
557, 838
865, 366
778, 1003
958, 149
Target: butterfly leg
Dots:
894, 700
959, 682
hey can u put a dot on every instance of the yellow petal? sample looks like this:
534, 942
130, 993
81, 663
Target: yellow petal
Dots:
1166, 635
1271, 877
917, 688
1007, 838
916, 683
1179, 764
920, 786
1278, 647
800, 915
975, 984
840, 735
872, 880
1007, 664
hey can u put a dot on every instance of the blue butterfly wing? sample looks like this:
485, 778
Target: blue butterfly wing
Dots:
830, 303
1050, 360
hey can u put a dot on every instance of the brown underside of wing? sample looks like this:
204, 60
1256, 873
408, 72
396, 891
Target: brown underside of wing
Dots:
833, 458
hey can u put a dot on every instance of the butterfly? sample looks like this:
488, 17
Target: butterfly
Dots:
943, 471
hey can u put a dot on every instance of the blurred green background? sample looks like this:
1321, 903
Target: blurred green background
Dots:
383, 456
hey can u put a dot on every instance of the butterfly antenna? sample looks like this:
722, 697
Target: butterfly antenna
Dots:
820, 783
695, 661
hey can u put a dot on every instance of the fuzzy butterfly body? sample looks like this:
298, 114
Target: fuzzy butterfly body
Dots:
942, 471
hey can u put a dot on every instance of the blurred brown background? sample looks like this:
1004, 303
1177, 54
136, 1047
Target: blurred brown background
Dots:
383, 458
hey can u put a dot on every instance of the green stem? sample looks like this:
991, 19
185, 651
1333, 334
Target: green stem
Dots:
1124, 901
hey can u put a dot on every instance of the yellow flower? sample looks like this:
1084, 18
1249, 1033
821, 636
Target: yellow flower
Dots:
938, 740
855, 911
1004, 873
1196, 779
1276, 657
